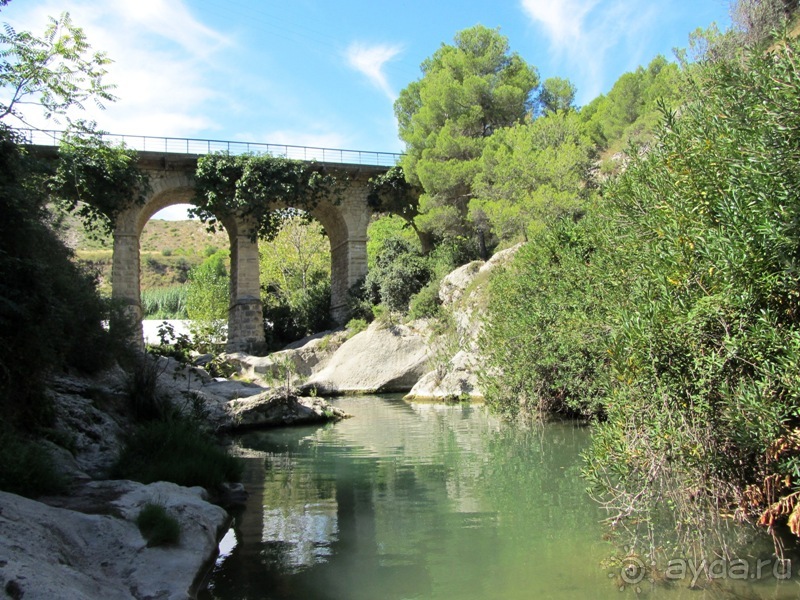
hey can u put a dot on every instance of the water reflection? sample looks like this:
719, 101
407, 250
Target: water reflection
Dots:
418, 501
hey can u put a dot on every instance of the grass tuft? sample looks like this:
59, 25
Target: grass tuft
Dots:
157, 526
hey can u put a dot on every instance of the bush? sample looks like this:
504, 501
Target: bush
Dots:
157, 526
548, 321
50, 313
706, 352
26, 468
295, 315
400, 272
355, 326
207, 301
176, 450
144, 398
426, 303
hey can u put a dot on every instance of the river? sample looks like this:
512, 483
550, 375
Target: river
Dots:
426, 501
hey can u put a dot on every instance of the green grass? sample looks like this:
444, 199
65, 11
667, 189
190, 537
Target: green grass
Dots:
157, 526
176, 450
26, 467
165, 303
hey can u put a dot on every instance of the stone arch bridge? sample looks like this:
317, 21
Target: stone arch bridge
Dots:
170, 164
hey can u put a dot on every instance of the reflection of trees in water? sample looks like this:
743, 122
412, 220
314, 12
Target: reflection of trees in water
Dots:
365, 510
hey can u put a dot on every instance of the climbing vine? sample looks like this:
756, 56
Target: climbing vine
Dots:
250, 185
96, 181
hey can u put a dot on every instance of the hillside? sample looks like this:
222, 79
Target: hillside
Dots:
169, 249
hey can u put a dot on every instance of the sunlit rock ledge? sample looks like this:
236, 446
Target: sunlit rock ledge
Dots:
90, 547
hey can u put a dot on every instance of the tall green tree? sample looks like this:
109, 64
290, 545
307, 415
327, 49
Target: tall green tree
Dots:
50, 315
630, 110
296, 279
532, 172
207, 300
468, 90
556, 94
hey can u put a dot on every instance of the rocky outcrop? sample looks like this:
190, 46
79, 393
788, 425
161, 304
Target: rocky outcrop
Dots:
231, 404
63, 552
383, 358
455, 380
271, 409
463, 293
300, 360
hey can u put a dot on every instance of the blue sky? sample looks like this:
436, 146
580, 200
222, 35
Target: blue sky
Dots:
326, 72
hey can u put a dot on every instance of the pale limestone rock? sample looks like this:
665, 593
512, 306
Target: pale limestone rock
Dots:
93, 435
455, 283
49, 552
302, 358
380, 359
272, 409
454, 381
463, 292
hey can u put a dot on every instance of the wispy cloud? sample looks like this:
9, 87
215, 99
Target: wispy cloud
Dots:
370, 61
584, 32
564, 20
161, 63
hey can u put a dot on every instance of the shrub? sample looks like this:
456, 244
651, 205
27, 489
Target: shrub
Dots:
207, 301
26, 468
295, 315
176, 450
400, 272
145, 400
706, 352
426, 302
548, 320
355, 326
157, 526
50, 314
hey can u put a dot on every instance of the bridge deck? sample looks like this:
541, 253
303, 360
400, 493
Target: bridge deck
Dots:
198, 147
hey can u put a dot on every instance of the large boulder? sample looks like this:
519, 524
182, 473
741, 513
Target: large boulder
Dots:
300, 359
51, 552
276, 408
383, 358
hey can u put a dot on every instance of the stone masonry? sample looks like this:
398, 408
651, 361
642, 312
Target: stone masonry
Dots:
171, 177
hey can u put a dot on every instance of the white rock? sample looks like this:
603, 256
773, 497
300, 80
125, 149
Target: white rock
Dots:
455, 283
454, 381
48, 552
380, 359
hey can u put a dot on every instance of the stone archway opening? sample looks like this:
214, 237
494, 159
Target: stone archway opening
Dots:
245, 322
172, 247
295, 269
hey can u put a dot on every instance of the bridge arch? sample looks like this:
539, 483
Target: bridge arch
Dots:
345, 222
245, 322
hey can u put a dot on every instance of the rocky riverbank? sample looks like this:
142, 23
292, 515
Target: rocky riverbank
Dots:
86, 544
424, 359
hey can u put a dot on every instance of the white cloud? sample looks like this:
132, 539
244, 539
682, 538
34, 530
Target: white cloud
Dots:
584, 32
370, 60
162, 64
562, 19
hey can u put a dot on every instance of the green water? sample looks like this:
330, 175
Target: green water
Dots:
423, 501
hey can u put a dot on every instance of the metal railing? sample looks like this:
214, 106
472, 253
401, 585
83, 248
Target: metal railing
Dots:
146, 143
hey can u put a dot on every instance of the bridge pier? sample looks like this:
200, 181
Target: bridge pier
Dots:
125, 282
245, 315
